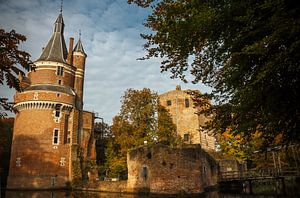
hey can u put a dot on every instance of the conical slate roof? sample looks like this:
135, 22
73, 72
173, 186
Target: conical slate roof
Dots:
56, 49
79, 47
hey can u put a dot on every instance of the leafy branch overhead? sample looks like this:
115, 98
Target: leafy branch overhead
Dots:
247, 51
13, 62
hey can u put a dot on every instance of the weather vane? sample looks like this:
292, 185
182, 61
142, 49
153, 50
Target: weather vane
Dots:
79, 33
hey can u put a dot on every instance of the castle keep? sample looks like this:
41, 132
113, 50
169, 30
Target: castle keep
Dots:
190, 125
51, 130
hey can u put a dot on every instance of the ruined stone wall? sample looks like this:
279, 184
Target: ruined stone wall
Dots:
164, 170
231, 165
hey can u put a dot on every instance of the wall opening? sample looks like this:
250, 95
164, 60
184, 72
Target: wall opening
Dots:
145, 173
186, 137
187, 102
169, 103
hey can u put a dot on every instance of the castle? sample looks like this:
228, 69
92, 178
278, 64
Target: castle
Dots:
190, 125
52, 133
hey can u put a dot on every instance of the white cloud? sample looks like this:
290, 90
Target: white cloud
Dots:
110, 36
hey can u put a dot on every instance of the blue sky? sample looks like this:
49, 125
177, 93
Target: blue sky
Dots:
110, 33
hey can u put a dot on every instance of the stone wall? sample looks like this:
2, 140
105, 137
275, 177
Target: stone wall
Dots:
231, 165
189, 124
164, 170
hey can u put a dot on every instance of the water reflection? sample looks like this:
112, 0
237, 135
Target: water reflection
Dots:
80, 194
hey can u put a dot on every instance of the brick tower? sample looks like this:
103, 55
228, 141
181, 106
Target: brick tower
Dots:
190, 126
49, 118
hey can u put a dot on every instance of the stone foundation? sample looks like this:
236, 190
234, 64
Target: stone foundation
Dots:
36, 182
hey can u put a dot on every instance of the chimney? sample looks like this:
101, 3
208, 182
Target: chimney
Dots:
70, 54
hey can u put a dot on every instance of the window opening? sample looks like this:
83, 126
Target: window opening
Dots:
57, 109
187, 102
66, 129
59, 82
57, 113
169, 102
145, 173
55, 137
68, 137
186, 137
60, 71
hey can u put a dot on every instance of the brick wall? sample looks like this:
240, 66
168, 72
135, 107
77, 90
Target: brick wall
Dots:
34, 157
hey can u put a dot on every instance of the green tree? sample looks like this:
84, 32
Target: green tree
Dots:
12, 63
166, 129
247, 51
141, 118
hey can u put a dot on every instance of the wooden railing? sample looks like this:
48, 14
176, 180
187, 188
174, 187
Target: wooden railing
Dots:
258, 174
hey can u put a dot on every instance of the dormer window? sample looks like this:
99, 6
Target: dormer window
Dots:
60, 71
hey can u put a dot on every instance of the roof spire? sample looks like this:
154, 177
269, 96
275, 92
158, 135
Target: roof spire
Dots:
56, 49
61, 6
79, 47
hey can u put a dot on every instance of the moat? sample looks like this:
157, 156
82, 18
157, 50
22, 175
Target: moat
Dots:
65, 194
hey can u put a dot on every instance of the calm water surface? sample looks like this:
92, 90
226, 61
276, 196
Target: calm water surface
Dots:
64, 194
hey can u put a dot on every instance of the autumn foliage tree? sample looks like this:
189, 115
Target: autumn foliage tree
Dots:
247, 51
141, 119
12, 63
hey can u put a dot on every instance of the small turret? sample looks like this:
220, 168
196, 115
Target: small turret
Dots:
79, 57
79, 47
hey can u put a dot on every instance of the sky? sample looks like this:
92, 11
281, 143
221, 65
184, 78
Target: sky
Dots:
110, 34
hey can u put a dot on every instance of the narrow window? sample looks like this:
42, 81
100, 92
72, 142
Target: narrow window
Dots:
66, 130
169, 103
55, 136
145, 173
59, 82
57, 110
187, 102
60, 71
186, 137
69, 137
57, 113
